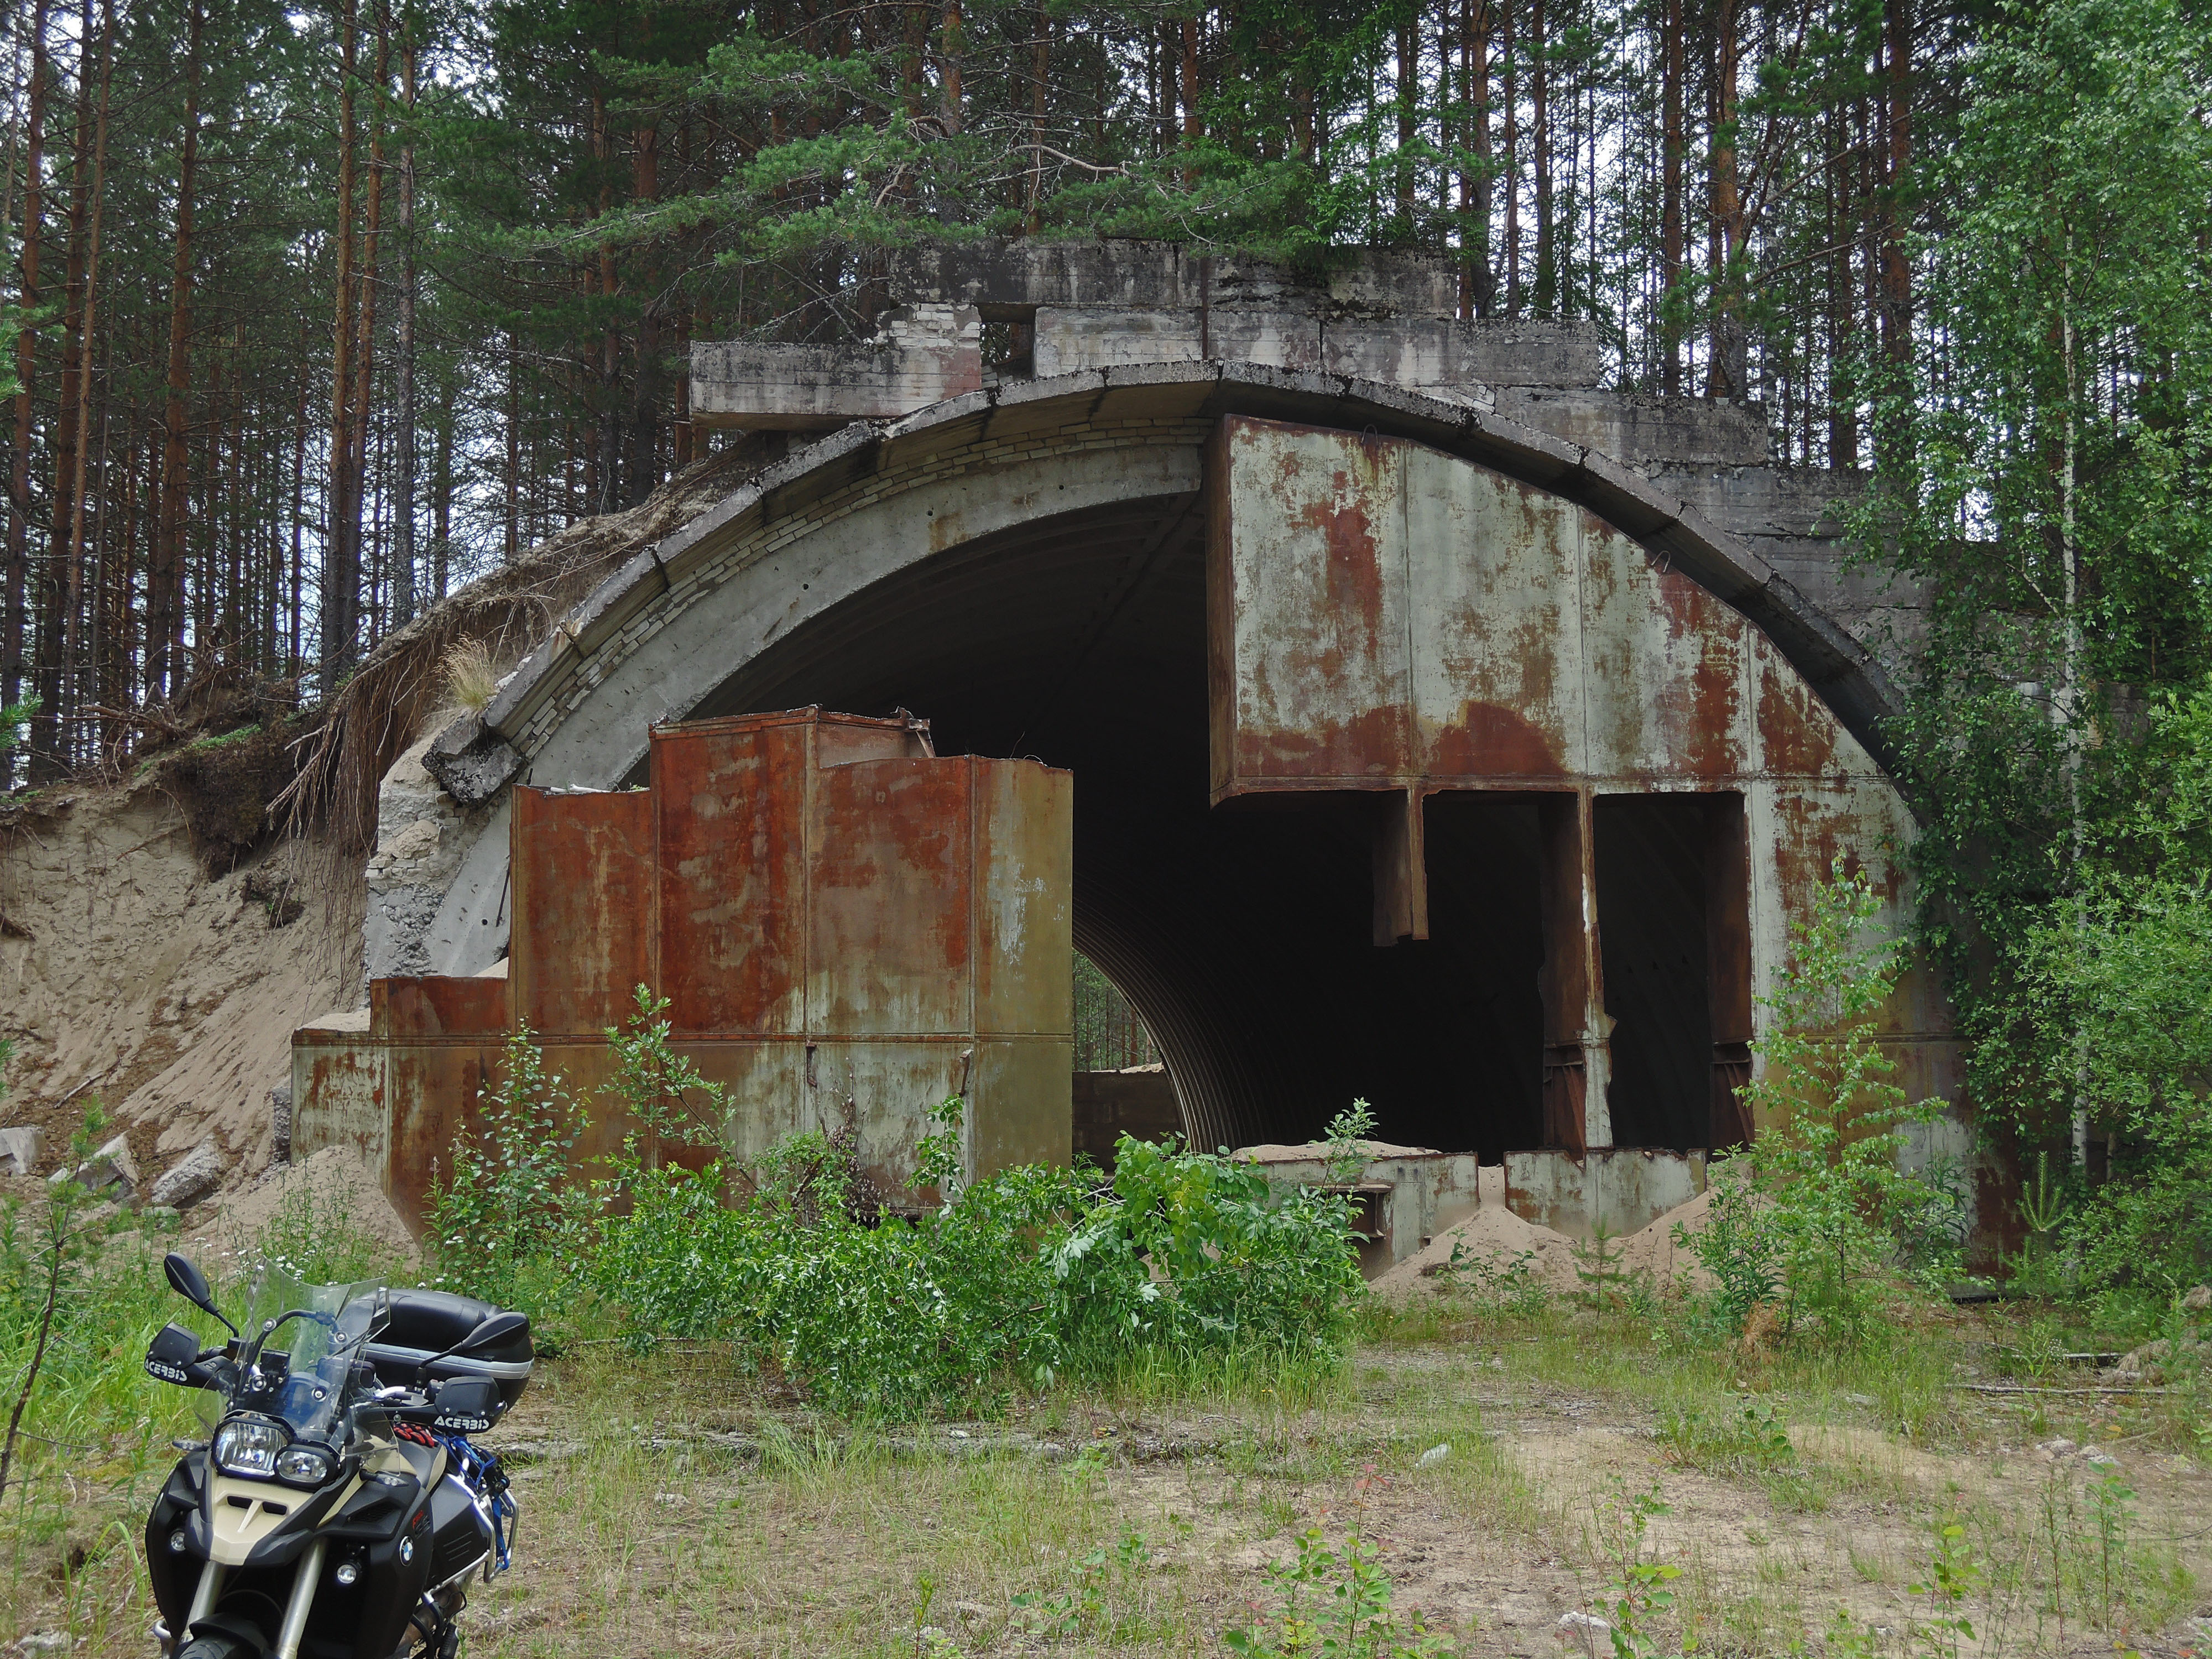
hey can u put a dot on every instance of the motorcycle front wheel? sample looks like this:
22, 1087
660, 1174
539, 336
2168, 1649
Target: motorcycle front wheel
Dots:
215, 1647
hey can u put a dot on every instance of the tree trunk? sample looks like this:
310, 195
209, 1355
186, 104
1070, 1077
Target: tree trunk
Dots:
1194, 123
13, 627
1479, 281
1540, 142
164, 625
341, 594
1896, 271
1409, 58
645, 399
403, 483
47, 762
1725, 369
1670, 192
514, 455
950, 44
370, 274
1039, 80
441, 489
1512, 166
294, 667
75, 657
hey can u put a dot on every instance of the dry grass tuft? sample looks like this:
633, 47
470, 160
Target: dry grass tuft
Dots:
405, 681
471, 676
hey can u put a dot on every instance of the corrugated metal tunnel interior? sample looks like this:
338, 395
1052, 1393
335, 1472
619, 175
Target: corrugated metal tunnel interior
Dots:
1242, 935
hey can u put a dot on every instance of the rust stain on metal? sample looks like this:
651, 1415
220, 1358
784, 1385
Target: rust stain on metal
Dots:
847, 927
581, 941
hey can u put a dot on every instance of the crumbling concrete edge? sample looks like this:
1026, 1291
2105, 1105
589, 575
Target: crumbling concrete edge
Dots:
1845, 673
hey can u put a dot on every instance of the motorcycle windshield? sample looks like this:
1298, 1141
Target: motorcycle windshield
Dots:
321, 1338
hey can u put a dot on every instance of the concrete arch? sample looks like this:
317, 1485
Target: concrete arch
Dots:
1072, 494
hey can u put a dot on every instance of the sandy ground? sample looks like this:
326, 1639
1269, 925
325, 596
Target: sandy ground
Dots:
126, 974
1495, 1243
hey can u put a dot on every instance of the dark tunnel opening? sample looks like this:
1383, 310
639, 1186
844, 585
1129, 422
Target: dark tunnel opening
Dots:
1651, 897
1241, 935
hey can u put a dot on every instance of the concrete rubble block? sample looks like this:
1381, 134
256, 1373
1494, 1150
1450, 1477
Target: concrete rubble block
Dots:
1442, 351
471, 762
1069, 339
1622, 1189
922, 355
194, 1176
20, 1149
111, 1170
280, 1123
1768, 501
1639, 430
1007, 280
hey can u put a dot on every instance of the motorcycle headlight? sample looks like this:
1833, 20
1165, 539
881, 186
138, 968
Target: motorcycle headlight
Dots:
249, 1446
303, 1466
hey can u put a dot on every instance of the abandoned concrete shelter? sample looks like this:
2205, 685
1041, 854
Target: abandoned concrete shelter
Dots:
1387, 709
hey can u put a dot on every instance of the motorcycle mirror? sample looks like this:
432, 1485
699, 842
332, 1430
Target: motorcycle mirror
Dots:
189, 1282
492, 1330
487, 1332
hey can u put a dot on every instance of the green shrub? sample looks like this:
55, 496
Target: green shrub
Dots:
1815, 1218
498, 1220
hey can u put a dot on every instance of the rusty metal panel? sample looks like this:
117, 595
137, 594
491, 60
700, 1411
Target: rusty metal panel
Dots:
882, 1091
1310, 612
1020, 1104
768, 1094
890, 905
342, 1093
1025, 853
1663, 667
435, 1089
436, 1006
1798, 736
581, 867
1496, 642
729, 809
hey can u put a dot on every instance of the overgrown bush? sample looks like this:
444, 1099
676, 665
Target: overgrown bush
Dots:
510, 1201
1012, 1281
1815, 1218
2119, 1007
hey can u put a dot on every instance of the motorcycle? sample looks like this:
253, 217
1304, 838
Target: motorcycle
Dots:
338, 1510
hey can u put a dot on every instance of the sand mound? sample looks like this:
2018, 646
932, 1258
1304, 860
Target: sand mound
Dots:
335, 1181
125, 973
1495, 1243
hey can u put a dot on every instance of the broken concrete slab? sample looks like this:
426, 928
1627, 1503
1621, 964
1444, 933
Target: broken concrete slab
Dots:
111, 1170
19, 1150
194, 1176
923, 355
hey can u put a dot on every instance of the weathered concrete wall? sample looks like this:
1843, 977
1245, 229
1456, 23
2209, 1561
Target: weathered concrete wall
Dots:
1410, 1194
922, 355
1622, 1189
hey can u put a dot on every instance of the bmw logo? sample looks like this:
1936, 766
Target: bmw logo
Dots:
407, 1549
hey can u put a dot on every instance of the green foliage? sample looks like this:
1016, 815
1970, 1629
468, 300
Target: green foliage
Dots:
1010, 1280
1639, 1584
1335, 1604
1815, 1216
2042, 478
509, 1200
2113, 1007
1751, 1438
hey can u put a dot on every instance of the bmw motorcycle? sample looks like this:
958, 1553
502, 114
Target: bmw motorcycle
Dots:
337, 1510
